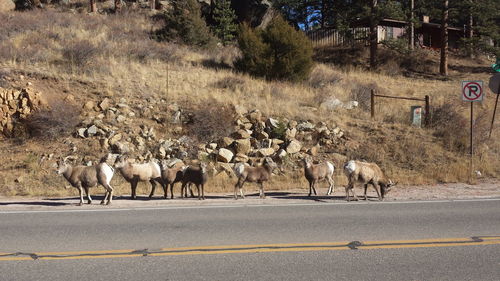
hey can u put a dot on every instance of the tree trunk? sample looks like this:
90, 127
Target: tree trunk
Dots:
411, 34
443, 67
470, 32
152, 4
93, 6
373, 36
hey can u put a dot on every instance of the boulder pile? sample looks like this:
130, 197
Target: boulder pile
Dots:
16, 105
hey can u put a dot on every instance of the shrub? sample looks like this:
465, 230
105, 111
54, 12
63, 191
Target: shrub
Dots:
59, 121
183, 23
280, 52
449, 125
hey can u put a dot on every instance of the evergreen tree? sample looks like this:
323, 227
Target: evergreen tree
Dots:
224, 18
183, 23
278, 52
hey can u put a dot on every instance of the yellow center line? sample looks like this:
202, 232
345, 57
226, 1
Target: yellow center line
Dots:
255, 248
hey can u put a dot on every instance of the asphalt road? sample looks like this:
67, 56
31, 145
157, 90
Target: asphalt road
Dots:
457, 240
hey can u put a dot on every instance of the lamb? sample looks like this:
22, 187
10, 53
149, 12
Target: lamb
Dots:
133, 173
84, 177
172, 173
317, 172
253, 174
197, 176
366, 173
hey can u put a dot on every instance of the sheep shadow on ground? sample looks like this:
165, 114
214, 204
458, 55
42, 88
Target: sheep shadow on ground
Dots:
49, 204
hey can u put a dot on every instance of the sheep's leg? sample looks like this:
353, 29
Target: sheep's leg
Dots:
199, 191
366, 187
183, 190
171, 191
314, 187
380, 198
331, 188
133, 185
310, 188
153, 187
89, 199
238, 185
80, 190
191, 191
108, 195
261, 191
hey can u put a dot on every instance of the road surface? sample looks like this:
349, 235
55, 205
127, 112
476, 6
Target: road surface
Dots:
446, 240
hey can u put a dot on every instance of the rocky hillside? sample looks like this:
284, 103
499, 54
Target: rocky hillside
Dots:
107, 88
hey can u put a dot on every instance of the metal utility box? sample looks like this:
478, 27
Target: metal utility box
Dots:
416, 116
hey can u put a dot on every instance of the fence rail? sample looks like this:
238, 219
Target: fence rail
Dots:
426, 99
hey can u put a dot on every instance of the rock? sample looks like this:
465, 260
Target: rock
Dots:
336, 131
242, 158
120, 118
202, 155
331, 103
293, 147
182, 155
104, 104
264, 152
6, 5
226, 142
351, 104
81, 132
225, 155
114, 139
246, 126
290, 133
242, 134
292, 124
305, 126
243, 146
272, 123
120, 148
281, 153
212, 146
276, 142
261, 135
92, 130
227, 168
255, 115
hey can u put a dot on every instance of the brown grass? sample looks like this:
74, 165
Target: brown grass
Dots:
113, 55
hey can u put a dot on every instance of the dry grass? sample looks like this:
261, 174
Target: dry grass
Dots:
114, 56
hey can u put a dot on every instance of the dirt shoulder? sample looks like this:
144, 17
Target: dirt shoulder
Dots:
483, 189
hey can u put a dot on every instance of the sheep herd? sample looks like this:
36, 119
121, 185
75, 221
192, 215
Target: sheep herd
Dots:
169, 173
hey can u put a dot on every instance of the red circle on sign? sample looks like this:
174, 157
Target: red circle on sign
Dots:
467, 86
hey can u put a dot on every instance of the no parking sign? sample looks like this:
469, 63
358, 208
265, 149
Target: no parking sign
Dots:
472, 91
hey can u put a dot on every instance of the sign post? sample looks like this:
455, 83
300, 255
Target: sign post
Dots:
495, 88
472, 91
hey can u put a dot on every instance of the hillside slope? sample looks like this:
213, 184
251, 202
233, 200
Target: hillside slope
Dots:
104, 70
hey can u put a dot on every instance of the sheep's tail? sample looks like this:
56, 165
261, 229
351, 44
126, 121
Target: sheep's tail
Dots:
239, 168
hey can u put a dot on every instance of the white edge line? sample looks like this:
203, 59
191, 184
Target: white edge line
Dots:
373, 203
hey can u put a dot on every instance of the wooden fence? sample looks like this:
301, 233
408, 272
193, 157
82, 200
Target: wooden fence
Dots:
334, 38
426, 100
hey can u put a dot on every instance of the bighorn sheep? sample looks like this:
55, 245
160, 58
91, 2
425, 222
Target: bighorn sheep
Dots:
172, 173
317, 172
84, 177
253, 174
197, 176
366, 173
133, 173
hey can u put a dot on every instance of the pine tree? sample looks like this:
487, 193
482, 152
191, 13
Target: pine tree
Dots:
224, 19
183, 23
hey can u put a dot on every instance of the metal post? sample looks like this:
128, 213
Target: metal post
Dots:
494, 111
372, 101
427, 120
471, 143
